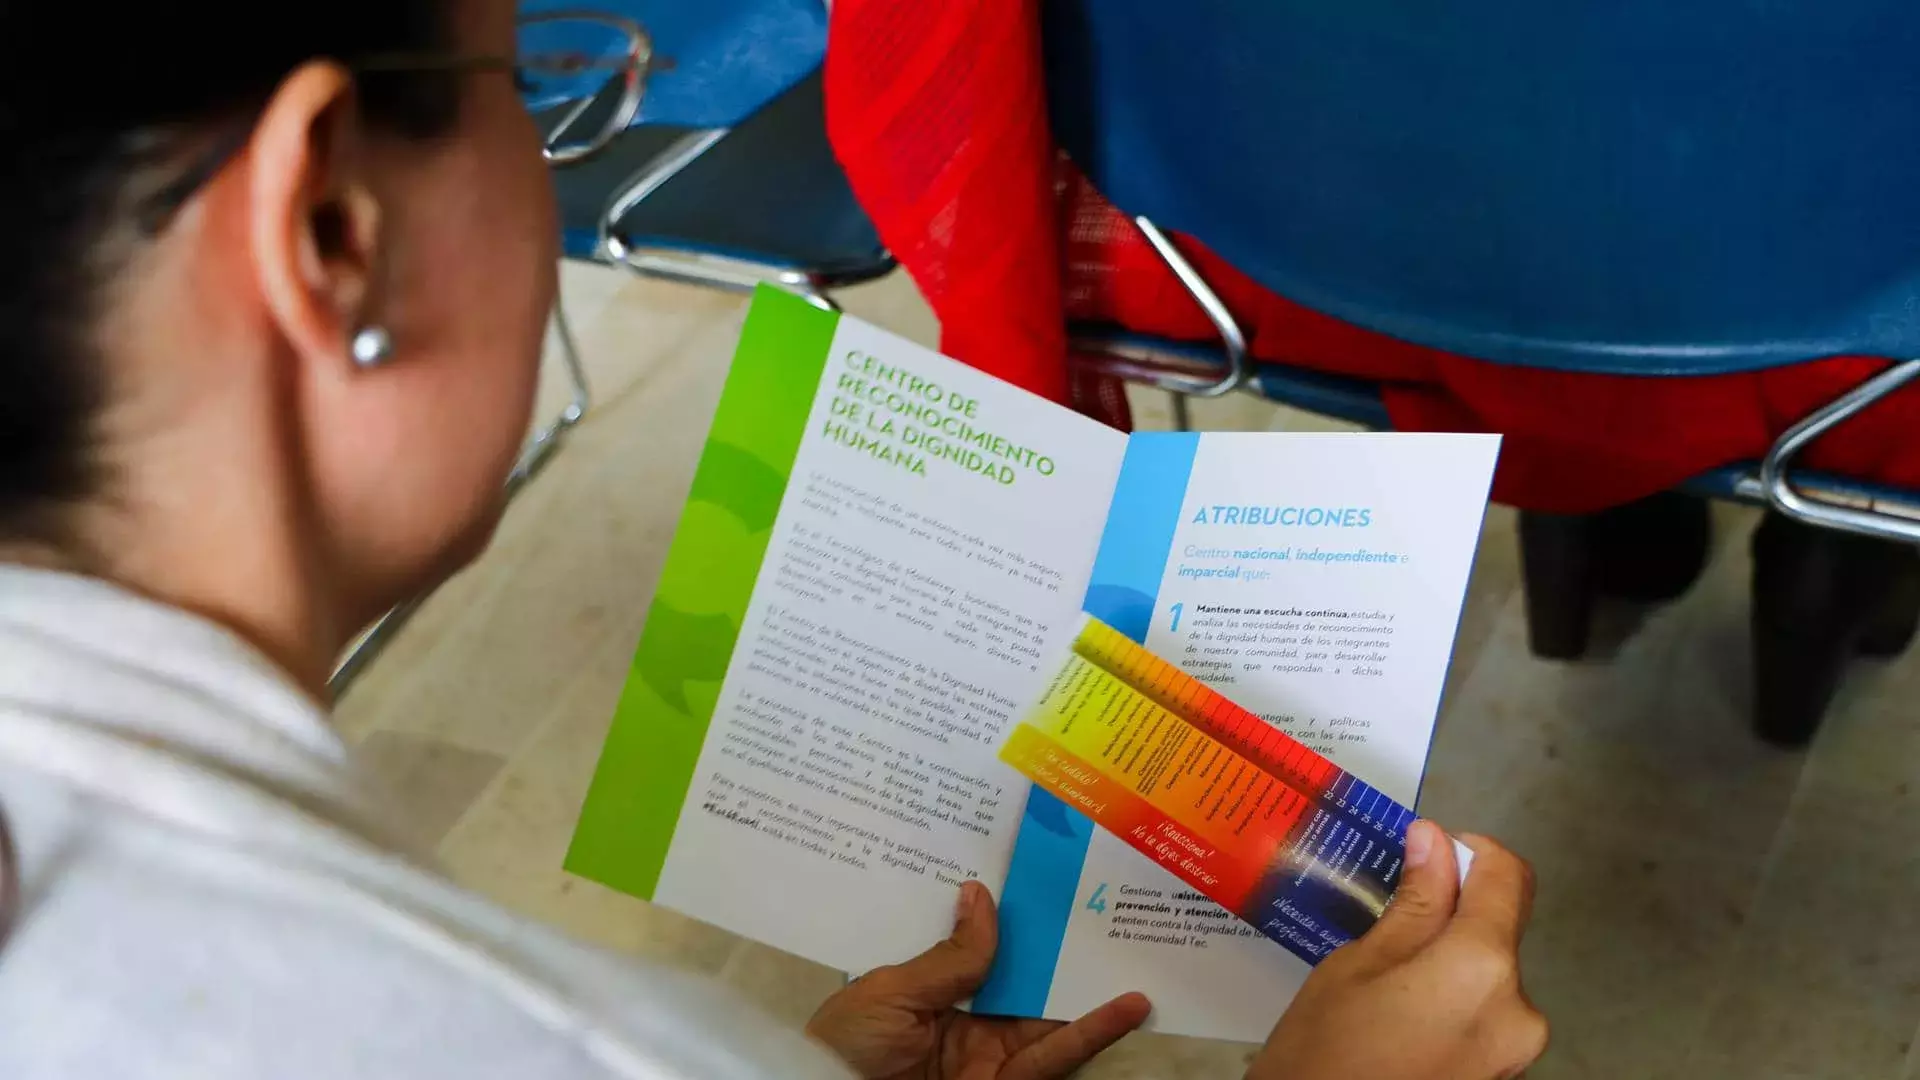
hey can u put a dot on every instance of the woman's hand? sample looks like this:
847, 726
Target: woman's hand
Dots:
1432, 992
901, 1021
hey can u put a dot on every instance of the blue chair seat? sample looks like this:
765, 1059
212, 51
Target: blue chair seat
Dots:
1359, 401
769, 192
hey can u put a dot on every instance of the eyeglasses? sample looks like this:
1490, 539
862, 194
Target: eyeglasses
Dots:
569, 66
580, 63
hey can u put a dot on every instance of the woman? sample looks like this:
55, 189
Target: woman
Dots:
268, 339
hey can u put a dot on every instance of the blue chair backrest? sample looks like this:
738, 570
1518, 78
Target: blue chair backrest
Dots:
1647, 186
716, 62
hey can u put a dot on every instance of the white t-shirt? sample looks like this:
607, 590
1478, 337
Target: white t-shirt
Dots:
208, 893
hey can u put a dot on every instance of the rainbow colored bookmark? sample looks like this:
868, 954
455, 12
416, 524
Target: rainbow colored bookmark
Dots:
1265, 827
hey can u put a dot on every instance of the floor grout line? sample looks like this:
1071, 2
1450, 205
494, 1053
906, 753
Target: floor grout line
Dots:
1769, 866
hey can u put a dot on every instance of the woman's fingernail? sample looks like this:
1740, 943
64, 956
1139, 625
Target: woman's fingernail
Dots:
1420, 837
964, 905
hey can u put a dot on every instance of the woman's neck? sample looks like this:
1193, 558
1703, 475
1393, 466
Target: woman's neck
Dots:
253, 579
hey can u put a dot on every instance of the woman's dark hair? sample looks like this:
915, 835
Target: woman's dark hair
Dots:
101, 105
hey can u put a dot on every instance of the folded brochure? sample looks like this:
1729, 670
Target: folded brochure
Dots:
882, 552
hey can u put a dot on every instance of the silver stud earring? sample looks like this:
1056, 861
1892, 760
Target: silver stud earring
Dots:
372, 347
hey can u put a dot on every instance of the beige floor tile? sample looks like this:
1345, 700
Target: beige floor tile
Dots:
510, 844
1153, 411
1647, 810
1170, 1057
893, 303
1493, 586
781, 983
1827, 980
429, 783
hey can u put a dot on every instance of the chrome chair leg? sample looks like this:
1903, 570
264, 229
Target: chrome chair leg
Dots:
539, 452
1182, 410
1183, 378
371, 644
714, 271
1887, 520
655, 174
546, 442
690, 268
815, 293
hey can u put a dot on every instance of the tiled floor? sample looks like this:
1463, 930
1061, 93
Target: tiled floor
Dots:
1709, 908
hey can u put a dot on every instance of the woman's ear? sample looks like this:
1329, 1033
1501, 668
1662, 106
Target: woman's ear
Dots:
314, 222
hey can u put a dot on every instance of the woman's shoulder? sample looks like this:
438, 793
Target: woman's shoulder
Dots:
203, 884
294, 948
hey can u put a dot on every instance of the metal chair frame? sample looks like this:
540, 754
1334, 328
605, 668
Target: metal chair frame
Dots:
1814, 500
695, 268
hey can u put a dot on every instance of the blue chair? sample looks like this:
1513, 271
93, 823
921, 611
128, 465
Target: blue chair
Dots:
1628, 187
725, 177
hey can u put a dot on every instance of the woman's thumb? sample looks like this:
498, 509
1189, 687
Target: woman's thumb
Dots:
1423, 904
951, 971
